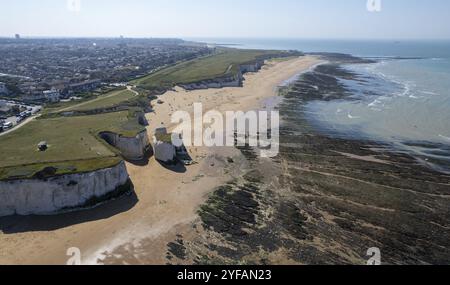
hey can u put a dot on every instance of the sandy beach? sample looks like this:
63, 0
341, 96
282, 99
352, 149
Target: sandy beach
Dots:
136, 229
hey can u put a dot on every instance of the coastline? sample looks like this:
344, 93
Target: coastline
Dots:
323, 200
165, 200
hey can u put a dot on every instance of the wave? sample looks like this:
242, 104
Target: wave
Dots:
444, 137
428, 92
376, 103
351, 117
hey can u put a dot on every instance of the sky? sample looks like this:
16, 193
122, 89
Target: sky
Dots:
311, 19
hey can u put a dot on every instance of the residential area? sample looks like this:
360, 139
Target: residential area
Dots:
41, 71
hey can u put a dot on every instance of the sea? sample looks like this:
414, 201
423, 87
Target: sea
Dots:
402, 100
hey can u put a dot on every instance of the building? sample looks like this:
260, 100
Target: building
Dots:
52, 96
3, 89
34, 97
86, 86
3, 106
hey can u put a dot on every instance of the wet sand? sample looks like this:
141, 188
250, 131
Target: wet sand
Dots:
137, 229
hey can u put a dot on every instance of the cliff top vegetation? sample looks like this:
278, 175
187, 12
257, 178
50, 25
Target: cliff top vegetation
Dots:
225, 62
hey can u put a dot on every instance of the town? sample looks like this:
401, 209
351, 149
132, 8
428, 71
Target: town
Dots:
50, 70
34, 72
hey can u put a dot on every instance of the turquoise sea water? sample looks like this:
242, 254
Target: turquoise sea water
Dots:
405, 103
402, 102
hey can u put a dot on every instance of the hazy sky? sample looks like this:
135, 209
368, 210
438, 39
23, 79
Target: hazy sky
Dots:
398, 19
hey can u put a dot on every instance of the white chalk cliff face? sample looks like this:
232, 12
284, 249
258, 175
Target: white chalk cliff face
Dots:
230, 81
47, 196
51, 195
131, 148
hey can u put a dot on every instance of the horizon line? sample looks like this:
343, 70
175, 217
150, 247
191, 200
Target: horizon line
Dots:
191, 38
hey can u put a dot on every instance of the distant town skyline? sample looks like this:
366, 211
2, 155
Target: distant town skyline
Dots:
350, 19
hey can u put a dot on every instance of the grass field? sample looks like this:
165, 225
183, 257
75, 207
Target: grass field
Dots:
73, 144
225, 62
105, 101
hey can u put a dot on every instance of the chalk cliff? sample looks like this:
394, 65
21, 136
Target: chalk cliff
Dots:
50, 195
234, 80
36, 196
133, 148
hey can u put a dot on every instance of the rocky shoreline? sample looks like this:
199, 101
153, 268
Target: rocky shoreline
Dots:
323, 200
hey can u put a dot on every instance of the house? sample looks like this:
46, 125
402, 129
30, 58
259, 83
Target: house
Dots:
86, 86
52, 96
35, 97
3, 89
3, 106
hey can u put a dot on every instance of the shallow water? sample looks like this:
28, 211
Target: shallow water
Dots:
405, 103
402, 102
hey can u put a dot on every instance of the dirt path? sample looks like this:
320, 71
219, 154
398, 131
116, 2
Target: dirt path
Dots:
129, 88
115, 93
30, 119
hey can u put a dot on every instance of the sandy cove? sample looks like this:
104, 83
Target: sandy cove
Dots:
165, 201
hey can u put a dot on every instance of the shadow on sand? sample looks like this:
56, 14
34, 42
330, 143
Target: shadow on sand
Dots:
23, 224
177, 167
143, 162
